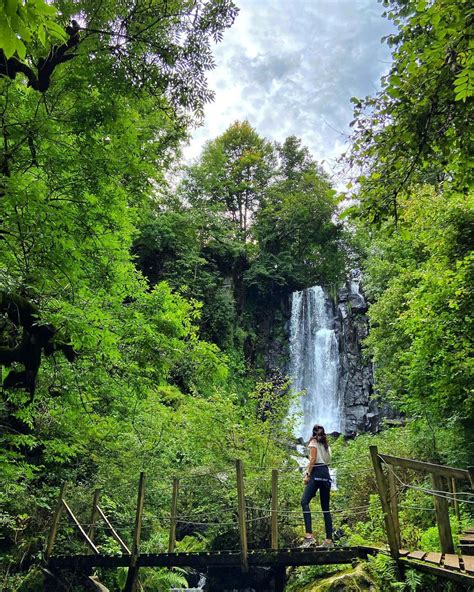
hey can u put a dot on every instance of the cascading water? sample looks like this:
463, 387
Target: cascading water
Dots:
314, 355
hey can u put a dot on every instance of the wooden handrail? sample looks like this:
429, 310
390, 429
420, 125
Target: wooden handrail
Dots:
242, 516
113, 532
174, 516
419, 465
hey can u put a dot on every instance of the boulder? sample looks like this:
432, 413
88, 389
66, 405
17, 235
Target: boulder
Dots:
354, 580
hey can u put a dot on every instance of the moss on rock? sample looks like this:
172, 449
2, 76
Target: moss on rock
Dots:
353, 580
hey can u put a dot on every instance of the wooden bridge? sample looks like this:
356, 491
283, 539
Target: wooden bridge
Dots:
446, 564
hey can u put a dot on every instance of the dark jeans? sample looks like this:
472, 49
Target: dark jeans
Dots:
320, 479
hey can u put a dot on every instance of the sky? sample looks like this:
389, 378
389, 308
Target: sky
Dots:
290, 67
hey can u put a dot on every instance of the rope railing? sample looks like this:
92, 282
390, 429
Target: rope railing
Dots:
243, 514
387, 479
434, 492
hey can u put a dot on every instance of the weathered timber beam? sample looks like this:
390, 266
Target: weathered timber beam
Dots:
113, 532
382, 488
442, 515
266, 558
418, 465
55, 522
79, 527
242, 514
174, 517
131, 585
393, 498
274, 515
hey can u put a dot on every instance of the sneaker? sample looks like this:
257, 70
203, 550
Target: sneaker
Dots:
308, 542
326, 545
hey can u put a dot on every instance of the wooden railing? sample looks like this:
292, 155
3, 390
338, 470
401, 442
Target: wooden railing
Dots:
441, 495
385, 478
134, 553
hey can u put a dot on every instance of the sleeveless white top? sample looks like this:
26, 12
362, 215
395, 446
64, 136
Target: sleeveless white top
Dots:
322, 455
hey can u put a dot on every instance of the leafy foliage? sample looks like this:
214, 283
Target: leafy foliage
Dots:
141, 320
418, 128
25, 20
421, 325
232, 174
300, 245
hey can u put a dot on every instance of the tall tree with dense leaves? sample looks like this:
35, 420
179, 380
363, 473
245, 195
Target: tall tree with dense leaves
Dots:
232, 173
94, 102
299, 244
413, 142
419, 279
419, 127
87, 128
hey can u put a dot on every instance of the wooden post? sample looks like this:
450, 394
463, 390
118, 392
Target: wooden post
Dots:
94, 514
274, 513
394, 505
54, 525
280, 578
384, 498
242, 515
455, 500
131, 584
174, 508
442, 515
471, 476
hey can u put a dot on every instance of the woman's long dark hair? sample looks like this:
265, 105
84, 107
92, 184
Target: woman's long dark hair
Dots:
320, 436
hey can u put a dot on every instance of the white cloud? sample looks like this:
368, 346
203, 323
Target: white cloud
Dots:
291, 67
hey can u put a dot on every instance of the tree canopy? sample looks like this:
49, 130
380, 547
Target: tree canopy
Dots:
418, 127
144, 304
413, 143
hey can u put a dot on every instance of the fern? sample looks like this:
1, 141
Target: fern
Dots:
413, 580
383, 570
156, 579
162, 580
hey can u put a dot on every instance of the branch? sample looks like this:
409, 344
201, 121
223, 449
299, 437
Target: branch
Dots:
36, 340
41, 79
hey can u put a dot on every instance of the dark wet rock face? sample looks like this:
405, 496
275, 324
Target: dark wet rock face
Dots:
355, 375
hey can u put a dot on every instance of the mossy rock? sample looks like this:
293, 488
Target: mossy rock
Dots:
353, 580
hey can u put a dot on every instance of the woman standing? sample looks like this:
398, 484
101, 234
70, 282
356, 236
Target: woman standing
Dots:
317, 477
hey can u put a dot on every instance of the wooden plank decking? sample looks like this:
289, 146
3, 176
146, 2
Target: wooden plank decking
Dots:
459, 568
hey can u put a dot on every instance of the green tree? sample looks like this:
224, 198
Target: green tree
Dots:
299, 244
233, 173
82, 158
418, 128
88, 129
412, 144
420, 280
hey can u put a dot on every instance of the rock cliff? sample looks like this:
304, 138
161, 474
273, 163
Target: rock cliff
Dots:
355, 375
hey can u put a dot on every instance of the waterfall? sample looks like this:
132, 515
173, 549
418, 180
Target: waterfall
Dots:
314, 356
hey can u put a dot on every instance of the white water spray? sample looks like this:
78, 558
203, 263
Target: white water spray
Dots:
315, 362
